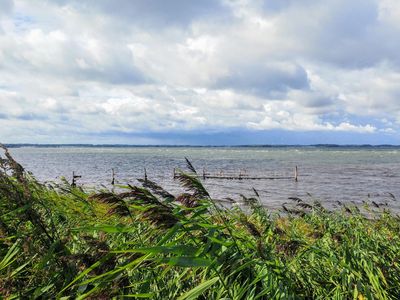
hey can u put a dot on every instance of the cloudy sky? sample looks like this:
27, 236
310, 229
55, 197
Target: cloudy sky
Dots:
200, 72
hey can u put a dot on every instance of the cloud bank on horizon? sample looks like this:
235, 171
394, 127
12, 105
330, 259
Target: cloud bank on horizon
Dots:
200, 72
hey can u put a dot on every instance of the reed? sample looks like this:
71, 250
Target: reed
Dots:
57, 241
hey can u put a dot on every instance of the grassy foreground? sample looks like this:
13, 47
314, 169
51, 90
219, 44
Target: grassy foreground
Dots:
57, 241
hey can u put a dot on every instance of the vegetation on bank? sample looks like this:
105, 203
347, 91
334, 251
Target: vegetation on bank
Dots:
56, 241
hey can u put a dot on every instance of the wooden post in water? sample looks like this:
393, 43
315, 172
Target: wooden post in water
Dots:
145, 175
296, 173
174, 174
204, 173
74, 178
113, 176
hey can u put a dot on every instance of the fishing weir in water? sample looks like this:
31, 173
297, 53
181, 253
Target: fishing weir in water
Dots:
243, 175
221, 175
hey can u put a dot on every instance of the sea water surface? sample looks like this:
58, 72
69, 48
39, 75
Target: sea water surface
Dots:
327, 174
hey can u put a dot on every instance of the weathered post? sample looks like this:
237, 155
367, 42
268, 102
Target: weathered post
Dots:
174, 174
296, 173
74, 178
204, 174
113, 176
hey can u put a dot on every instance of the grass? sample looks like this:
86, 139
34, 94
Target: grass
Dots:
56, 241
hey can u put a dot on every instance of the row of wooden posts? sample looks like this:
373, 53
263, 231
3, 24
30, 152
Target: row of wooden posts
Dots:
76, 177
205, 175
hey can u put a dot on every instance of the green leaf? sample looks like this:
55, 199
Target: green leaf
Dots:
85, 272
176, 249
105, 228
19, 269
222, 242
198, 290
42, 290
186, 261
148, 295
10, 257
18, 210
210, 226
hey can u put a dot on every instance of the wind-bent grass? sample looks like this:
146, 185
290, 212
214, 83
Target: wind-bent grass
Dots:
57, 241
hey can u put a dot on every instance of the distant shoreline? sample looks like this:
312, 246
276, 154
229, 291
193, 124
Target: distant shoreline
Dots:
363, 146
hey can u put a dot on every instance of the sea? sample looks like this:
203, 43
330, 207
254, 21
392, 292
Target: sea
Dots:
326, 173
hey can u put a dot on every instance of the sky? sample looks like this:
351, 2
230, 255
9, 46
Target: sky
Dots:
228, 72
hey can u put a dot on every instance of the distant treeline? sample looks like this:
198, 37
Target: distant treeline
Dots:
383, 146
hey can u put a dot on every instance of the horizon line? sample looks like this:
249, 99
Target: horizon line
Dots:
20, 145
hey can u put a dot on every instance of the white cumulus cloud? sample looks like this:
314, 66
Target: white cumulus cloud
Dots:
73, 69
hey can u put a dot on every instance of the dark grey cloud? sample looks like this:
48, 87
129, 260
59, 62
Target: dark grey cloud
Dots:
32, 117
6, 6
347, 34
154, 12
268, 80
113, 74
318, 102
277, 6
351, 19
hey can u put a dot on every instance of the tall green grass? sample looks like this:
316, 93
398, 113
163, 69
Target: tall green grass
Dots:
56, 241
